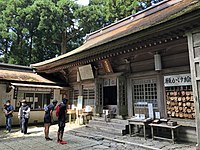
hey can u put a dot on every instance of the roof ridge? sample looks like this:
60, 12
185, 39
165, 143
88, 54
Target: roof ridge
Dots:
15, 66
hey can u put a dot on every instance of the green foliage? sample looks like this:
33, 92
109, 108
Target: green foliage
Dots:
100, 13
35, 30
143, 4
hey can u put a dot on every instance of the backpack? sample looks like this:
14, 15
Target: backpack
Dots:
58, 110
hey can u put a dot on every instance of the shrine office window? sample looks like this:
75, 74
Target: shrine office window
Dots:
37, 100
145, 91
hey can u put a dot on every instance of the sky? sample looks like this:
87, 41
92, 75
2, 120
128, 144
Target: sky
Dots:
83, 2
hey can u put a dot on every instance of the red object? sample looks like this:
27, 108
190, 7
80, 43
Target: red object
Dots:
57, 110
62, 142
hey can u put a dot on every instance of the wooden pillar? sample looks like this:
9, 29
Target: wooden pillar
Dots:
194, 54
80, 89
160, 95
129, 97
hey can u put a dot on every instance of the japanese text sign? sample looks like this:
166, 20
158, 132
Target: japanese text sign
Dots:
177, 80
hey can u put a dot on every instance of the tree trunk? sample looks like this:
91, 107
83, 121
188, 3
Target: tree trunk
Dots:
64, 42
30, 48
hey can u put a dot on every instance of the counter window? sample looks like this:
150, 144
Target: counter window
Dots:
37, 100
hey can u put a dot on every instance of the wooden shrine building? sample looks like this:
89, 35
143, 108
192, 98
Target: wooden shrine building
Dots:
152, 57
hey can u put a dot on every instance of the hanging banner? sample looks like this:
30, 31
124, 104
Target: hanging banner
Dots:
177, 80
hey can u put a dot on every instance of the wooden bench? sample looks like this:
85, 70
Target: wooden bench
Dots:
164, 125
138, 122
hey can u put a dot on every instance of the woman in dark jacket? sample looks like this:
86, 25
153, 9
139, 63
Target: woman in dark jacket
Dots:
48, 118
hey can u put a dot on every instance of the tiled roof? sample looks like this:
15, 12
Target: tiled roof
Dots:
160, 13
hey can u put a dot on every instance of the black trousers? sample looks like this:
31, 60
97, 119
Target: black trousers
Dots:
61, 126
24, 125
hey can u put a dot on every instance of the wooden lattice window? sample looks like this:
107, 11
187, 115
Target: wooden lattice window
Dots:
73, 96
145, 91
88, 96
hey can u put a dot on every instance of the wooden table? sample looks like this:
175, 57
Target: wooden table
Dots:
164, 125
85, 115
72, 113
138, 122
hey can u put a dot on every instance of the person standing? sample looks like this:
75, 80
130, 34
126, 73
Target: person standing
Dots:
24, 115
61, 121
8, 114
48, 118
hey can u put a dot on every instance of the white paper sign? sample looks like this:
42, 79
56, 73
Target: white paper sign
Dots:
137, 116
150, 108
142, 116
157, 115
80, 102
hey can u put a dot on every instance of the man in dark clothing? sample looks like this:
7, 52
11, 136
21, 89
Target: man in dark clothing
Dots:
48, 118
8, 113
61, 121
23, 115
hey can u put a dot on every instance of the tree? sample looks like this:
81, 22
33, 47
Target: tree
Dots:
119, 9
143, 4
35, 30
100, 13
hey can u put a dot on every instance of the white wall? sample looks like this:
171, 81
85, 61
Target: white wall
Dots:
35, 115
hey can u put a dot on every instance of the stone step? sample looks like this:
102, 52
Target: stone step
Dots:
107, 124
114, 120
106, 129
114, 126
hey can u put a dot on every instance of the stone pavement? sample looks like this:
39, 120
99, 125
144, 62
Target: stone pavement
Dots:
35, 140
81, 138
133, 141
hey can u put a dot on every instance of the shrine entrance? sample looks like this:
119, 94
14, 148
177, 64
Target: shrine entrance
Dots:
110, 95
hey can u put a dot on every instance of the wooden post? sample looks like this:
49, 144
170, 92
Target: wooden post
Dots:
194, 55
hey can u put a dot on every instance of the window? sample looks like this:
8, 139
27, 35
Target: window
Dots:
145, 91
37, 100
73, 96
88, 96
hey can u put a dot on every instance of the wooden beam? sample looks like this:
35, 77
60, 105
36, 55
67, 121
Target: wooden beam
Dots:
194, 37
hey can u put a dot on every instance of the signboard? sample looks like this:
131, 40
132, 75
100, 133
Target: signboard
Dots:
106, 82
110, 82
177, 80
86, 72
113, 82
15, 93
